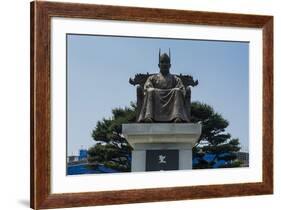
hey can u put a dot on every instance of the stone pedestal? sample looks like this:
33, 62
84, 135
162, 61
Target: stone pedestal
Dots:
161, 146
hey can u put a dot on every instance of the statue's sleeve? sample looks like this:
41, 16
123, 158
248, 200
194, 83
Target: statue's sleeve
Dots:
148, 84
180, 85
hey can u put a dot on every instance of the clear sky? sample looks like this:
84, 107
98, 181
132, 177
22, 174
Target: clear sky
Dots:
99, 67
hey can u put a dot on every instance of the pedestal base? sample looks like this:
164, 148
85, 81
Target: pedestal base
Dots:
161, 146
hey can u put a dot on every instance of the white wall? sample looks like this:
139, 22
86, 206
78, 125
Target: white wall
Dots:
14, 112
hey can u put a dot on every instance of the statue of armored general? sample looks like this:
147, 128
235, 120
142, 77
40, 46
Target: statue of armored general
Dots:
163, 97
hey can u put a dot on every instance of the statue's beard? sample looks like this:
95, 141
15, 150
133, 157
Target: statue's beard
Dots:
164, 71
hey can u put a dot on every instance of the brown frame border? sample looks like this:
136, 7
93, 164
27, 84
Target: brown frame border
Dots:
41, 13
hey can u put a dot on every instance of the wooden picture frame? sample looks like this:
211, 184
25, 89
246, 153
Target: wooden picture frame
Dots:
41, 14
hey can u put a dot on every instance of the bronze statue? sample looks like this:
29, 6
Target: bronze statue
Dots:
163, 97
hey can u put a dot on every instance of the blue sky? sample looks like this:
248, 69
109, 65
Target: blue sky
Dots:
99, 67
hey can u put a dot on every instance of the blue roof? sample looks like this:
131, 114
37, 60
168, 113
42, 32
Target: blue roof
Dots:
104, 169
85, 169
209, 157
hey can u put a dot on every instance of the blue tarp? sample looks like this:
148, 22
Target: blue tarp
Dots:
209, 158
85, 169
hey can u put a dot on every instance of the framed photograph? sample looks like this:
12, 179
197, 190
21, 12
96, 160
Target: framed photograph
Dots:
134, 105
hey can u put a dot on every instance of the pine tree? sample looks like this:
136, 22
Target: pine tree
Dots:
214, 141
113, 151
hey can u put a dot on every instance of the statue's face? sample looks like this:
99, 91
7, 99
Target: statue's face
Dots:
164, 66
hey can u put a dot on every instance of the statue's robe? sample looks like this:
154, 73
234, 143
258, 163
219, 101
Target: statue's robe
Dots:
164, 99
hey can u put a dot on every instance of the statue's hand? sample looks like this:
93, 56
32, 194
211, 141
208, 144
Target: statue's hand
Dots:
180, 90
150, 89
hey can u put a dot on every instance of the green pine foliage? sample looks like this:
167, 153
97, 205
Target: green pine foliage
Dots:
214, 139
112, 150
